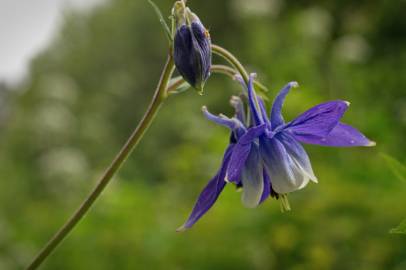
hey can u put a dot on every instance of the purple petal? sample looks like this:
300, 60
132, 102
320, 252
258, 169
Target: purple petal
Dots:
209, 194
184, 54
252, 179
276, 112
283, 170
342, 135
238, 105
267, 187
263, 111
231, 123
319, 120
240, 79
241, 152
298, 154
204, 43
192, 53
252, 100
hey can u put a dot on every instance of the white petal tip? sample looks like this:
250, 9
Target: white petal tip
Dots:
313, 177
235, 98
181, 229
238, 77
371, 143
249, 204
204, 108
294, 84
347, 103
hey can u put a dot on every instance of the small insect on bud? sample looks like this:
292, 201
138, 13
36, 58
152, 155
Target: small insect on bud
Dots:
192, 47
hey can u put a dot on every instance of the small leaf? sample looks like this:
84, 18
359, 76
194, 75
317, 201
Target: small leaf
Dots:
397, 168
181, 88
401, 229
180, 85
162, 21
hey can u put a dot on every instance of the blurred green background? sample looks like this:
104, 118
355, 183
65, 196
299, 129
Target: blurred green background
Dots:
87, 91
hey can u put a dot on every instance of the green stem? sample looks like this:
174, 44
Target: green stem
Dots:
225, 70
231, 72
159, 96
220, 69
229, 57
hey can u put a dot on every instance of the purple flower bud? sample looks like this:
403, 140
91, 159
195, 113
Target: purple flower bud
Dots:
192, 49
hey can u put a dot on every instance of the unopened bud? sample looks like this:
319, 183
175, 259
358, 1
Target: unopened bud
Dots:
192, 47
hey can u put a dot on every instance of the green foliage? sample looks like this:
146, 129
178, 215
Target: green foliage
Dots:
161, 19
398, 169
400, 229
89, 88
182, 87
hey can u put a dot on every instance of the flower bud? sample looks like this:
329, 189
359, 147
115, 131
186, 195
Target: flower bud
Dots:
192, 47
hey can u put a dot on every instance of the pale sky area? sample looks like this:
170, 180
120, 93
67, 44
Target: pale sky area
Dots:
26, 27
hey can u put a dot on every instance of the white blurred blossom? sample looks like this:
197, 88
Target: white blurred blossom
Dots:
352, 48
257, 7
316, 23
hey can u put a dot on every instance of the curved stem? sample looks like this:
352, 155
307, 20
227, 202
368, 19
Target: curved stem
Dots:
173, 86
225, 70
159, 97
219, 69
229, 57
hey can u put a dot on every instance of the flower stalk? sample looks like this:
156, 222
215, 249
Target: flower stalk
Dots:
232, 60
218, 69
157, 100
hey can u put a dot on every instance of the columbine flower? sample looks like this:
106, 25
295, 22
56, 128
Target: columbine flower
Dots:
265, 156
192, 47
252, 173
284, 158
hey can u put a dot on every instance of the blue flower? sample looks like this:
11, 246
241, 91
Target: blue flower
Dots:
192, 47
265, 156
284, 158
252, 173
